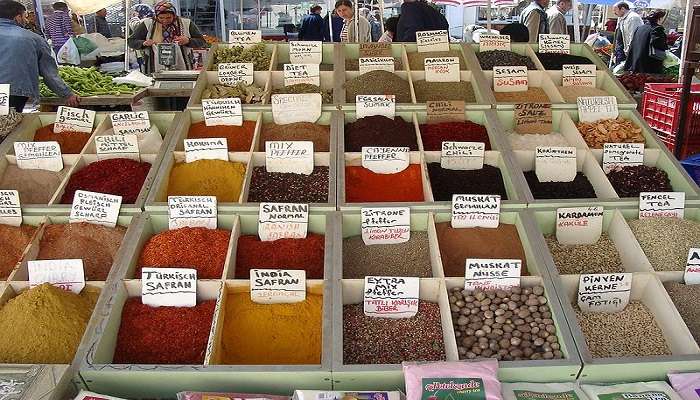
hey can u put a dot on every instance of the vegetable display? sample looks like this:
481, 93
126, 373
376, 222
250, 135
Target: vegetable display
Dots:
87, 82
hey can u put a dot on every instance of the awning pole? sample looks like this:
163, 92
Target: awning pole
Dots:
577, 30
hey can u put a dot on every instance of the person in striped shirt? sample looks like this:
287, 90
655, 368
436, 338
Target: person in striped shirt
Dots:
58, 26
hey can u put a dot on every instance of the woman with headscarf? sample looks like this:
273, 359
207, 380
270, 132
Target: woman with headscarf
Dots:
140, 12
166, 28
345, 10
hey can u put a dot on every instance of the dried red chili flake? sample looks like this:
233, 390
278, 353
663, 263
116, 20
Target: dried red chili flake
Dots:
433, 135
199, 248
163, 335
306, 254
117, 176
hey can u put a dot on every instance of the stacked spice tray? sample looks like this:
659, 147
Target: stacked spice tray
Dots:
605, 85
576, 49
220, 53
541, 89
368, 351
226, 339
243, 181
208, 86
351, 56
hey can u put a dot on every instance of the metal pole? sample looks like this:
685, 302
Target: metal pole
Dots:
222, 15
357, 24
126, 34
488, 15
381, 14
330, 20
574, 17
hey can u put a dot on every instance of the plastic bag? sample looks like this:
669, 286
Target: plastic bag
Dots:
686, 385
440, 380
641, 390
135, 78
542, 391
84, 45
68, 53
671, 60
226, 396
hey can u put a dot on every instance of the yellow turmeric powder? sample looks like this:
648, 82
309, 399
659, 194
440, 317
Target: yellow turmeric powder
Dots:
223, 179
272, 334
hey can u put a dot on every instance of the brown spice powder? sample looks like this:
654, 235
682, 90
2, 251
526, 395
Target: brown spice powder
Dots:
13, 241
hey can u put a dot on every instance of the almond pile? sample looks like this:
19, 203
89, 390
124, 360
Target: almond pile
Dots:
619, 130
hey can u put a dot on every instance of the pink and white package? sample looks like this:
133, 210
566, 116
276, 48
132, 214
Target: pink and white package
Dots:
687, 385
456, 380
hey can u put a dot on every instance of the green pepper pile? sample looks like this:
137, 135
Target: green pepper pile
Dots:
87, 82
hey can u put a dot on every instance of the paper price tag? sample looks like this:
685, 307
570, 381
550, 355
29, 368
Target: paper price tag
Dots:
494, 42
117, 146
386, 225
691, 276
578, 75
375, 104
169, 287
445, 110
235, 73
591, 109
492, 274
375, 50
391, 297
296, 157
69, 119
368, 64
579, 225
4, 99
661, 204
555, 164
385, 160
95, 208
65, 274
622, 155
301, 73
39, 155
510, 79
282, 221
10, 208
206, 149
192, 211
291, 108
275, 286
222, 111
533, 118
442, 69
240, 37
303, 52
131, 123
475, 210
604, 292
462, 155
432, 41
554, 43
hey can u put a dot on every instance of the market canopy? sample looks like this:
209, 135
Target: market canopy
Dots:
84, 7
475, 3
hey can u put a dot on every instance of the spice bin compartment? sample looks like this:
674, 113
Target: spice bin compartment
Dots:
33, 122
327, 82
194, 116
210, 65
482, 96
69, 163
536, 79
603, 82
9, 269
523, 49
281, 57
561, 123
412, 52
576, 49
208, 79
349, 103
351, 54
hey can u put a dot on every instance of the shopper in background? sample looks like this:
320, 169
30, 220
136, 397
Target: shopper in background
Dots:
389, 30
75, 24
345, 10
101, 24
535, 19
32, 25
312, 25
139, 13
337, 23
517, 32
555, 17
418, 16
374, 26
648, 47
26, 56
627, 22
59, 27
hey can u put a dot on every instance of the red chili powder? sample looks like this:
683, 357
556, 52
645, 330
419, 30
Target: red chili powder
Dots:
70, 142
163, 335
306, 254
364, 186
199, 248
433, 135
117, 176
238, 138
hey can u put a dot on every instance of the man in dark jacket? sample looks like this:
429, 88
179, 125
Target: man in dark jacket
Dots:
641, 57
534, 17
312, 25
418, 16
337, 23
101, 24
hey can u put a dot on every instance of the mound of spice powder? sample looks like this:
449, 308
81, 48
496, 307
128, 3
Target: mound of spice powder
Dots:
299, 88
666, 240
44, 325
411, 258
446, 182
223, 179
556, 61
307, 254
163, 335
371, 340
97, 245
503, 58
13, 242
199, 248
431, 91
35, 186
117, 176
629, 181
238, 138
277, 187
378, 82
365, 186
532, 94
579, 188
299, 131
70, 142
380, 131
416, 60
432, 135
600, 257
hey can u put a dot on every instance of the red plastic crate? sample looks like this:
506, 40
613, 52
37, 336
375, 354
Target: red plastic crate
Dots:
661, 110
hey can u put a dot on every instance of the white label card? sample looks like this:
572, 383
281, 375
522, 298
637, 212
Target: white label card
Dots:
375, 104
462, 155
578, 75
386, 225
206, 149
282, 221
510, 79
303, 52
391, 297
222, 111
661, 204
275, 286
432, 41
494, 42
117, 146
192, 211
301, 73
691, 276
294, 157
604, 292
554, 43
65, 274
291, 108
442, 69
555, 164
5, 98
475, 210
595, 108
244, 37
492, 274
235, 73
622, 155
39, 155
73, 120
10, 208
169, 287
368, 64
131, 123
579, 225
385, 160
95, 208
